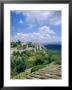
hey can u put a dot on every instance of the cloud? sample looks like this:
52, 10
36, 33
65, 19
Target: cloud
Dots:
41, 17
46, 30
44, 35
55, 21
40, 20
21, 21
37, 16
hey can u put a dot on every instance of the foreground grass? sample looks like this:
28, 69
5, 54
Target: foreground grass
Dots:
21, 75
35, 68
29, 71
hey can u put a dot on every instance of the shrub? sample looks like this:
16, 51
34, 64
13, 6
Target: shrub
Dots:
16, 53
17, 66
22, 74
39, 61
46, 58
27, 53
35, 68
56, 59
30, 64
49, 60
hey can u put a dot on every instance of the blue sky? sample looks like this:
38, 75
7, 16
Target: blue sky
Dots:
36, 26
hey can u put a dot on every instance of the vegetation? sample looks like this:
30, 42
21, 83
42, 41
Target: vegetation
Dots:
22, 74
17, 66
15, 44
24, 62
37, 67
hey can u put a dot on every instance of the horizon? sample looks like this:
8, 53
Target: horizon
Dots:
40, 43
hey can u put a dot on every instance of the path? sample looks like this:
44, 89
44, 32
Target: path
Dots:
49, 72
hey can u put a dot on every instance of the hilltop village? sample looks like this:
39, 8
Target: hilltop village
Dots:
21, 46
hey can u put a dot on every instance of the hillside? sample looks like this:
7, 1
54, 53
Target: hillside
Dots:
27, 58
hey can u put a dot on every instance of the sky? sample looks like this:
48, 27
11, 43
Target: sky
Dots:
36, 26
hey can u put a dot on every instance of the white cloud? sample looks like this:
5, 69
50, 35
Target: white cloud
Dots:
42, 17
46, 30
44, 35
21, 21
55, 20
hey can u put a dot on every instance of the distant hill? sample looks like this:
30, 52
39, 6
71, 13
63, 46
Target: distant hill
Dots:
53, 46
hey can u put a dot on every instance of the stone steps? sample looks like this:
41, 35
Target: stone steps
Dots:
53, 72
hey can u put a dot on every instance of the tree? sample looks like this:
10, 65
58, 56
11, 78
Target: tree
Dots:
30, 44
19, 42
13, 44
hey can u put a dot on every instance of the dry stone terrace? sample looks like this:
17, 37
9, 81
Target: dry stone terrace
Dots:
49, 72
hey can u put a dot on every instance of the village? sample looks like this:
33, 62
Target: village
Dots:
27, 46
